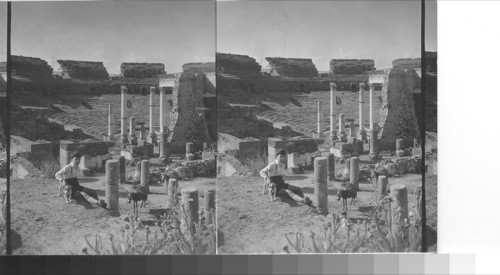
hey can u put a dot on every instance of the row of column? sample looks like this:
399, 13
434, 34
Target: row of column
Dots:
333, 135
115, 175
398, 192
123, 117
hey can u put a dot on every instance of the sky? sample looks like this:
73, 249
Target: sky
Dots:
169, 32
321, 30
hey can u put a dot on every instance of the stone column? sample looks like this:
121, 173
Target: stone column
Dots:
164, 148
320, 184
162, 111
123, 118
171, 193
121, 164
400, 144
333, 89
209, 205
372, 89
152, 135
352, 130
111, 123
354, 173
132, 137
189, 198
399, 209
331, 165
145, 174
373, 143
320, 120
142, 133
112, 184
361, 132
189, 148
341, 135
382, 187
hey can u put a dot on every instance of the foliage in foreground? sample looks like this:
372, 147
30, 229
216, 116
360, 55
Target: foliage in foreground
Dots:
165, 237
375, 234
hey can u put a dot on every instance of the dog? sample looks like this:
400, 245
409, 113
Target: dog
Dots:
344, 194
68, 193
138, 193
271, 188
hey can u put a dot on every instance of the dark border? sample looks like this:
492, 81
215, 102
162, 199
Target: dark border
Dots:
423, 90
7, 129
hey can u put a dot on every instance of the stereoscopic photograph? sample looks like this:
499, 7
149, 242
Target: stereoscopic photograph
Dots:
320, 126
113, 128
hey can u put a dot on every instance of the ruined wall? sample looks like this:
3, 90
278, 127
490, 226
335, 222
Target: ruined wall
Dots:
237, 64
199, 67
351, 66
84, 70
33, 68
142, 70
271, 84
187, 122
397, 115
430, 59
407, 63
292, 67
33, 123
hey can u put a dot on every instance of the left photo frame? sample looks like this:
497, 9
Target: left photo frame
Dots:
3, 128
113, 128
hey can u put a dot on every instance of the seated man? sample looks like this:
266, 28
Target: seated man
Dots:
274, 173
70, 174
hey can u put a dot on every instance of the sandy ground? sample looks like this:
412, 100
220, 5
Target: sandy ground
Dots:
44, 224
250, 223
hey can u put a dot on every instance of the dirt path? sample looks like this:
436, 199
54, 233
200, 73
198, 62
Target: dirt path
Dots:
44, 224
250, 223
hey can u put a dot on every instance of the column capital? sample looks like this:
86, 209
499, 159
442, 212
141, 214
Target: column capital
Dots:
333, 85
124, 89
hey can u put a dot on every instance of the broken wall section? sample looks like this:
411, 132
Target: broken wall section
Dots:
351, 66
187, 119
32, 68
142, 70
292, 67
398, 119
237, 64
84, 70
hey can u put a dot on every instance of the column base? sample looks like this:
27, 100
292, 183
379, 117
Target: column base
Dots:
361, 135
133, 140
342, 137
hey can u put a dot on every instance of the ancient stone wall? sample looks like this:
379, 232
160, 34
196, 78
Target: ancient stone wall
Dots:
187, 122
351, 66
142, 70
84, 70
207, 67
32, 68
271, 84
407, 63
398, 119
292, 67
33, 123
237, 64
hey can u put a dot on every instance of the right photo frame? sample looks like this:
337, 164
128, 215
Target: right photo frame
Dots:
323, 111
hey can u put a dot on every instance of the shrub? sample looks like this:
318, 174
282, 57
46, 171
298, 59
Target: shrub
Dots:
49, 168
372, 235
165, 237
255, 164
